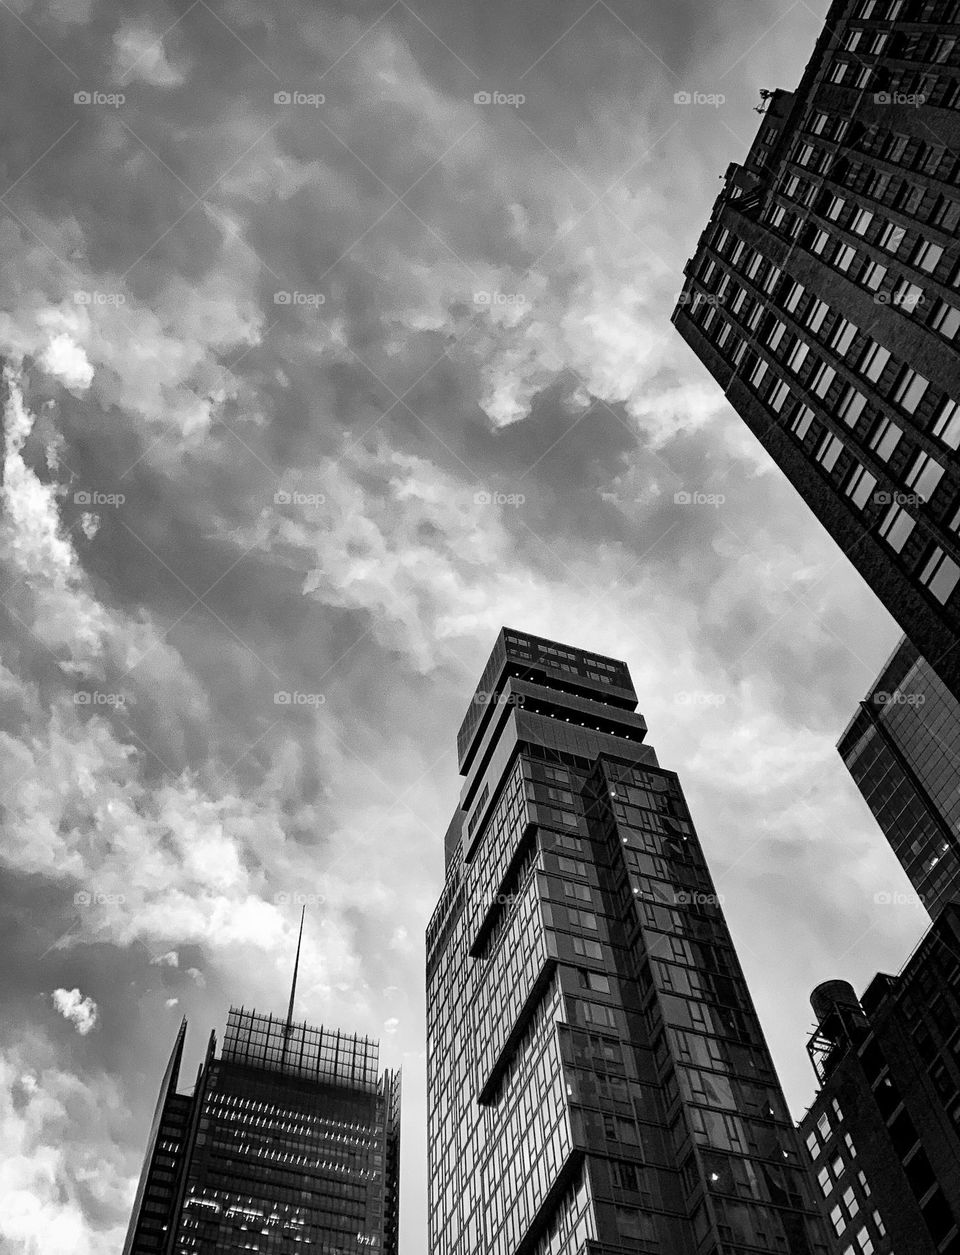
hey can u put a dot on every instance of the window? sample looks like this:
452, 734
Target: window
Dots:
885, 439
946, 319
861, 220
896, 527
940, 575
816, 314
822, 380
819, 242
947, 423
907, 296
927, 256
798, 355
778, 397
826, 1181
844, 333
947, 213
843, 259
758, 372
598, 982
873, 275
924, 475
577, 891
813, 1145
830, 449
775, 334
910, 390
861, 485
851, 406
583, 919
873, 361
891, 237
770, 281
801, 421
838, 72
587, 949
835, 208
793, 297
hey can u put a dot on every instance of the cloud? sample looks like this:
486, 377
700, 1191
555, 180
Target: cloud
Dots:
80, 1011
139, 54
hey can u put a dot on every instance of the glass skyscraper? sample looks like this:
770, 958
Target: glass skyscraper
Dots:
903, 750
288, 1143
597, 1078
824, 297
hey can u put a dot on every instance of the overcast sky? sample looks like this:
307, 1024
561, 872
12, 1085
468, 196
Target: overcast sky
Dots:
336, 336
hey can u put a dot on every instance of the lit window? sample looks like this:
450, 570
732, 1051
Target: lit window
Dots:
826, 1181
837, 1220
873, 361
924, 475
816, 314
910, 390
835, 208
838, 73
822, 380
813, 1145
865, 1241
947, 423
793, 298
896, 528
820, 241
940, 575
844, 257
778, 397
798, 355
775, 334
927, 256
757, 374
823, 1125
886, 438
907, 296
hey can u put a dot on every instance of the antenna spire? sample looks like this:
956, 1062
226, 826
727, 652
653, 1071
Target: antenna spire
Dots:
293, 984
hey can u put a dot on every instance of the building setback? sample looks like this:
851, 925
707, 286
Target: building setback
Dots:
903, 750
884, 1130
824, 297
597, 1078
288, 1143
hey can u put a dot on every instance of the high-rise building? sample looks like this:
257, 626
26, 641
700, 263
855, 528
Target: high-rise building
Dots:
884, 1130
289, 1142
824, 297
597, 1078
902, 748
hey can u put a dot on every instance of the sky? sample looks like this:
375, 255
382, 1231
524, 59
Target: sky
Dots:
335, 336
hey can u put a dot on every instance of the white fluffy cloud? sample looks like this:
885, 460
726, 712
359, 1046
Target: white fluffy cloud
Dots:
79, 1010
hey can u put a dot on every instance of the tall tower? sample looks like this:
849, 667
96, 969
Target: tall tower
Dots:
597, 1078
289, 1142
824, 297
902, 748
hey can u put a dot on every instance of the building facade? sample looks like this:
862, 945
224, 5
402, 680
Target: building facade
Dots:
884, 1130
824, 297
289, 1142
597, 1078
902, 748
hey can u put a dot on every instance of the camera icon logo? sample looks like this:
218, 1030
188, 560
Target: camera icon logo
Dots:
481, 98
81, 898
280, 497
81, 498
682, 498
881, 98
482, 498
81, 98
281, 699
281, 298
81, 298
281, 98
682, 98
281, 899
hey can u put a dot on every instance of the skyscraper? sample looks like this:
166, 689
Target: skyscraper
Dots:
824, 297
597, 1078
288, 1143
884, 1130
902, 748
